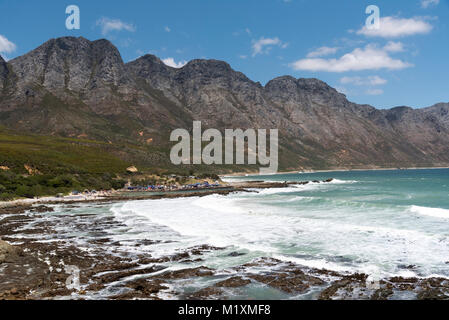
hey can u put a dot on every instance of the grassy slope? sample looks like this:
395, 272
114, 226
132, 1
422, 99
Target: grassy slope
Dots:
62, 164
51, 155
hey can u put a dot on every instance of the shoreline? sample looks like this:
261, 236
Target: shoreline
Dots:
230, 186
108, 198
31, 239
136, 196
35, 268
311, 171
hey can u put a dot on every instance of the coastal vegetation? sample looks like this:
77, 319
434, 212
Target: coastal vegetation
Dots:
36, 165
32, 166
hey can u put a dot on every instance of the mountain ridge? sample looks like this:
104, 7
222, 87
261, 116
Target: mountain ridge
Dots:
74, 87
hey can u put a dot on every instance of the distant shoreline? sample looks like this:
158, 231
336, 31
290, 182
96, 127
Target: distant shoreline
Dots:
135, 196
113, 196
228, 188
307, 171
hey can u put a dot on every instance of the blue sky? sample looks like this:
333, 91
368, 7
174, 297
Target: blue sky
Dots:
404, 62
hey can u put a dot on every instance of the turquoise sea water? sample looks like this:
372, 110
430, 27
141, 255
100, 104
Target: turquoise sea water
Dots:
373, 221
380, 222
383, 223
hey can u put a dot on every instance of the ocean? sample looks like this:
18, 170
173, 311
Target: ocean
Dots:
383, 223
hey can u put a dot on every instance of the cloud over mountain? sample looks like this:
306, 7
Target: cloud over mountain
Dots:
392, 27
368, 58
107, 25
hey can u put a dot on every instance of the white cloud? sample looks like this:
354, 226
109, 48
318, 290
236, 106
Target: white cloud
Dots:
107, 25
264, 45
374, 92
427, 3
6, 46
392, 46
172, 63
243, 56
167, 29
368, 58
367, 81
391, 27
322, 51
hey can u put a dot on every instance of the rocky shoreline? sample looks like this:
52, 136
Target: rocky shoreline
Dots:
36, 255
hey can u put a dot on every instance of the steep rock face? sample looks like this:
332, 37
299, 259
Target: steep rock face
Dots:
209, 90
71, 63
76, 87
427, 130
94, 70
153, 70
314, 119
325, 117
3, 73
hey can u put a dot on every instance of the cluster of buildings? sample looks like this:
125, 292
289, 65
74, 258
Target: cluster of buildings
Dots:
199, 185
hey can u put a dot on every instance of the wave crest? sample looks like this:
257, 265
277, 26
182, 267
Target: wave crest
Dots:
430, 212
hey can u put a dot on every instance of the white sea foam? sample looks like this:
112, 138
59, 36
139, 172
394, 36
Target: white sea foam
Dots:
338, 181
430, 212
334, 226
247, 222
315, 263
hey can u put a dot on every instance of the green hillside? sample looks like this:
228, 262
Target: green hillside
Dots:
33, 165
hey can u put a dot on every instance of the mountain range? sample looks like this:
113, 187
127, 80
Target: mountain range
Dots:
80, 89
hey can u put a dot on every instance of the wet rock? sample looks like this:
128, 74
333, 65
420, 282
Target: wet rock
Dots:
403, 280
432, 294
200, 250
6, 251
180, 256
345, 287
187, 273
233, 282
407, 267
206, 293
41, 209
236, 254
145, 288
17, 209
330, 292
290, 282
382, 293
147, 242
115, 276
192, 261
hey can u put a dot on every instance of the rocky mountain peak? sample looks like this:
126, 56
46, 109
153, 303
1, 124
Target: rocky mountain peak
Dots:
305, 92
70, 63
94, 94
215, 65
282, 84
314, 85
149, 66
207, 71
3, 72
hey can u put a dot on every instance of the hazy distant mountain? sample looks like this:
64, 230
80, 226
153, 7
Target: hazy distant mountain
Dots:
74, 87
